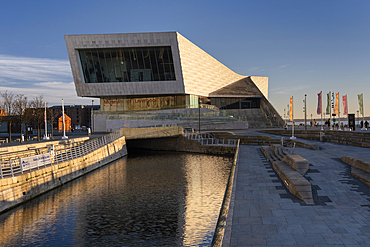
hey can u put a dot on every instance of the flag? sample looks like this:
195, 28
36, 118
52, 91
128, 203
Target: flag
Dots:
336, 106
319, 100
344, 97
328, 105
291, 109
360, 102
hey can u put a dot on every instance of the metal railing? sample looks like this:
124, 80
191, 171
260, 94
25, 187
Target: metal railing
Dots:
12, 168
173, 131
208, 139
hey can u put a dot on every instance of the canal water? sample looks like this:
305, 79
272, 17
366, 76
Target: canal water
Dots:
146, 199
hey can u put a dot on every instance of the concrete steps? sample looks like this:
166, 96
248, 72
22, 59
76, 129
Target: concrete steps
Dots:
290, 168
358, 139
360, 168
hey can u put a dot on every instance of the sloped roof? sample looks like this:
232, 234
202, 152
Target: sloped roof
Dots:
60, 117
241, 88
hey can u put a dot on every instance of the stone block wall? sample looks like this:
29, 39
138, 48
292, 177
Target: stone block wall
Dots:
16, 190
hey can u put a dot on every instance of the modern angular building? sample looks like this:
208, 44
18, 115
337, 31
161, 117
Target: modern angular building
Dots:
155, 71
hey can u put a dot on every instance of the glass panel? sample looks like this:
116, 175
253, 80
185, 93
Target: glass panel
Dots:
110, 66
127, 64
154, 64
85, 68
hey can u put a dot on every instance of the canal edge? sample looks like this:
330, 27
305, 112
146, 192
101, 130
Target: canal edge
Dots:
224, 211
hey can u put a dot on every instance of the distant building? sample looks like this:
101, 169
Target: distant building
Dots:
155, 71
80, 115
67, 123
3, 113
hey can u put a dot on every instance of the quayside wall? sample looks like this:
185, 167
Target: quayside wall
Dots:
178, 144
16, 190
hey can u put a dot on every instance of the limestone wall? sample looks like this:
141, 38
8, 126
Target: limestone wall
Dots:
75, 42
16, 190
27, 146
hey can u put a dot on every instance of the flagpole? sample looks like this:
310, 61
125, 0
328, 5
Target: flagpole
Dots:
339, 112
331, 127
322, 126
64, 129
46, 125
292, 137
363, 113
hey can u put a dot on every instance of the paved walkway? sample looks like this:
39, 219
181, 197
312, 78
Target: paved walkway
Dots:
263, 213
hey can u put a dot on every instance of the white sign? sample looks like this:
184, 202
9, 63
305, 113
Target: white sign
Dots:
35, 161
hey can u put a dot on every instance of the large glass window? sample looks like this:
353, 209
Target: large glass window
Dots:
127, 64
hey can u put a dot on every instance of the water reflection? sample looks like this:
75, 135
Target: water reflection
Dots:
155, 199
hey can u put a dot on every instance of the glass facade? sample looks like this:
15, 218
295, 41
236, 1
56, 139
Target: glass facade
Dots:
127, 64
120, 104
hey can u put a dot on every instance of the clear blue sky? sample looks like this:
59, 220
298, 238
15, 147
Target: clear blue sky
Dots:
304, 47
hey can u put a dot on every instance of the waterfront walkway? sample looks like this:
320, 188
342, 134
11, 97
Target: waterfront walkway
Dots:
263, 213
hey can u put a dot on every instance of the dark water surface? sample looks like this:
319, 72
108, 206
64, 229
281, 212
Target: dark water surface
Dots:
147, 199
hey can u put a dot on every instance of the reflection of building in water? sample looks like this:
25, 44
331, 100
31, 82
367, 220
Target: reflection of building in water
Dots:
155, 71
166, 200
206, 183
34, 220
63, 211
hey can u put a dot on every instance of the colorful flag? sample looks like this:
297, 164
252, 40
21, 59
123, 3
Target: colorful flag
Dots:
328, 105
344, 97
319, 100
291, 109
360, 102
336, 106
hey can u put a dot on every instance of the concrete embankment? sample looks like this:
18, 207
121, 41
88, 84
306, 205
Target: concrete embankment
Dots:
178, 144
224, 211
16, 190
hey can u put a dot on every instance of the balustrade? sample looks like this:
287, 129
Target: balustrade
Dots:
13, 167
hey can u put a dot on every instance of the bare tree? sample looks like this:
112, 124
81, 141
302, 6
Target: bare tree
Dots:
20, 106
38, 104
27, 118
52, 116
8, 106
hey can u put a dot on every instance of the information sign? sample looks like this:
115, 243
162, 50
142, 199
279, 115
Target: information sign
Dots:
35, 161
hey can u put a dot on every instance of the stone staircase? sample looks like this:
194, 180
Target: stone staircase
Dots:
290, 168
358, 139
256, 118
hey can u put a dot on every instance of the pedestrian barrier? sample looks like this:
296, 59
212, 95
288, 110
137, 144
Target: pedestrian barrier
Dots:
15, 167
207, 139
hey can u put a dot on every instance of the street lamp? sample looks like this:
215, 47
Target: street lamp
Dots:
92, 116
199, 114
284, 118
358, 117
305, 113
64, 137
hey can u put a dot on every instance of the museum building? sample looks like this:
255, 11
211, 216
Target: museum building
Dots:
152, 71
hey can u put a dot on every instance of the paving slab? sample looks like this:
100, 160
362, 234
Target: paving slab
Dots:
264, 213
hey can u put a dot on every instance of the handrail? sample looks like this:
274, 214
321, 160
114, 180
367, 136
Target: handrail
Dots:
12, 167
174, 131
208, 139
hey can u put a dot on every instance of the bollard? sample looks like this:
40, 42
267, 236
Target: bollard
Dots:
322, 136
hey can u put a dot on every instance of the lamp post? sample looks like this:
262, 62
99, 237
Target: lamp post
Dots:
305, 113
311, 120
46, 125
287, 116
92, 116
199, 114
358, 117
64, 125
284, 119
